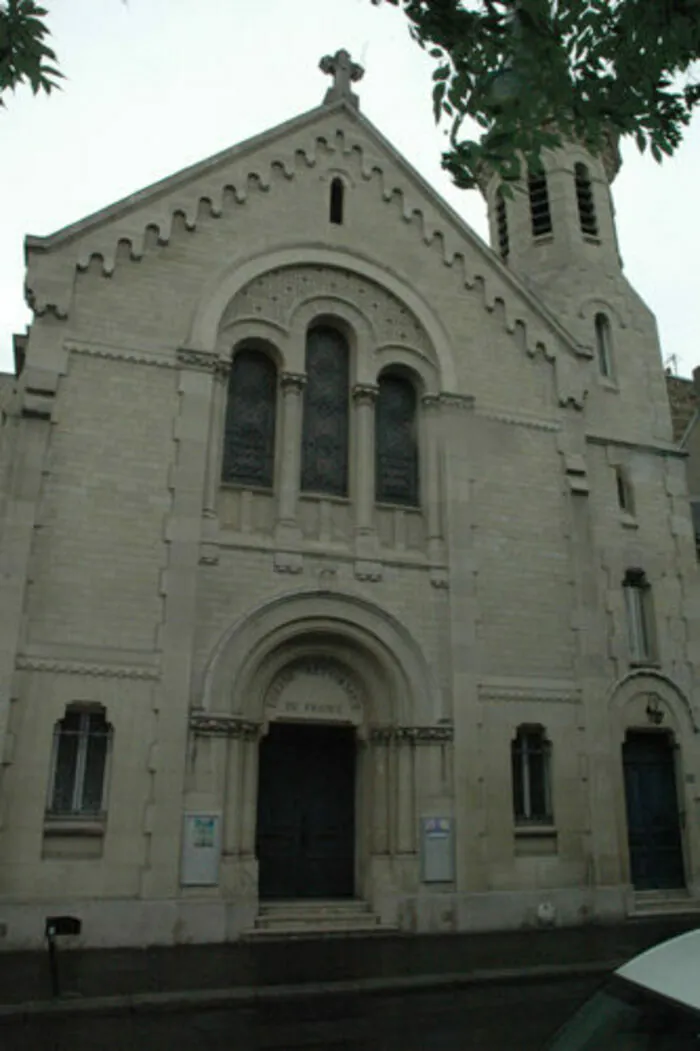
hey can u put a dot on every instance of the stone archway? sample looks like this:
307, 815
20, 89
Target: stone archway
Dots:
323, 662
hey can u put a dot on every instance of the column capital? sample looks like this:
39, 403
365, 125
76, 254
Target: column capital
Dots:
293, 381
431, 402
365, 392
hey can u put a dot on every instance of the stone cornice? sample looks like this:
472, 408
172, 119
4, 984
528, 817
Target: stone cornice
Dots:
210, 724
114, 353
412, 734
516, 419
67, 667
545, 691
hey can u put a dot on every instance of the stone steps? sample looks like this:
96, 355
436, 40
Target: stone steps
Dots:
276, 919
664, 903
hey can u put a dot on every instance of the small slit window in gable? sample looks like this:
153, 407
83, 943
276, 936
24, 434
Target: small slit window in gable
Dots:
337, 202
502, 226
540, 215
586, 205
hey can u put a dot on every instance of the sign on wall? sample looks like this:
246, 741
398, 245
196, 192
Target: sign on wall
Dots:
201, 848
437, 849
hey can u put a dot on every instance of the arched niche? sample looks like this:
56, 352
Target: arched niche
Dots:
645, 699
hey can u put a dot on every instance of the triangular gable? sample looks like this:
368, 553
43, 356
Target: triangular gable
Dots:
123, 223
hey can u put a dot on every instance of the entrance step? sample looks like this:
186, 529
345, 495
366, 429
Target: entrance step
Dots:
313, 918
664, 903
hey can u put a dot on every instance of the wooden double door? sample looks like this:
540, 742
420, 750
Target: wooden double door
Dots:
305, 839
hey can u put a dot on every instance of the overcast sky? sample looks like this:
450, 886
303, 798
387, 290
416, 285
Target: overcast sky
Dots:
155, 85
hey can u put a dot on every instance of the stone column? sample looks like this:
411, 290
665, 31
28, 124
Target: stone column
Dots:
431, 483
364, 396
292, 390
380, 792
249, 800
216, 432
406, 839
234, 802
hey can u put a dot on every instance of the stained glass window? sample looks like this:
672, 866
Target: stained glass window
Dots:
249, 431
324, 456
396, 442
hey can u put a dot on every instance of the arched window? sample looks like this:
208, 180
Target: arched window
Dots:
396, 442
540, 215
324, 453
502, 225
530, 763
603, 342
337, 195
586, 204
81, 742
249, 431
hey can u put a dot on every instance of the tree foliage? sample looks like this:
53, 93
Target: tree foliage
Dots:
530, 72
25, 57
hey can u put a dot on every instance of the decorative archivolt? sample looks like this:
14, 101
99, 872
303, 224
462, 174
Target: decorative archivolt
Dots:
276, 295
644, 690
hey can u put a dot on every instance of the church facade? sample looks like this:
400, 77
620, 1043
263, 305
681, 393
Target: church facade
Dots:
348, 575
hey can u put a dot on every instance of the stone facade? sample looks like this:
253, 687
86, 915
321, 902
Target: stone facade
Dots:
194, 615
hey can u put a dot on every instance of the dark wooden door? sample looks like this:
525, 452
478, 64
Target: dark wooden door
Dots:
653, 821
306, 812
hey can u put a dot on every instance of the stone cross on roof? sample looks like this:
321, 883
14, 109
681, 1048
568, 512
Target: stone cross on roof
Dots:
344, 72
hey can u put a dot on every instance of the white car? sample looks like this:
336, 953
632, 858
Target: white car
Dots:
650, 1004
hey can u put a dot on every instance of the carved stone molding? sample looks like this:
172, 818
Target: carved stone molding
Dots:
412, 734
66, 667
275, 295
325, 667
541, 694
203, 360
135, 357
368, 571
517, 420
288, 562
456, 401
207, 724
293, 381
365, 393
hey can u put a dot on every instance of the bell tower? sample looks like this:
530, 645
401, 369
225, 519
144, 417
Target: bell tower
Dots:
556, 229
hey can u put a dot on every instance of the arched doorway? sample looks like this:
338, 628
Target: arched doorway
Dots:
653, 818
305, 839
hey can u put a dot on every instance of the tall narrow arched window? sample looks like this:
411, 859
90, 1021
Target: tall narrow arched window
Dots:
249, 431
324, 453
337, 201
396, 442
540, 215
586, 204
603, 342
502, 225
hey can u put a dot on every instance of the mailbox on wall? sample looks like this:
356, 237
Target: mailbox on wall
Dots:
437, 850
201, 848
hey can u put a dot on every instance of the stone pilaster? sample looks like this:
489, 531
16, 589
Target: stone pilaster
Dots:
293, 384
365, 397
431, 474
